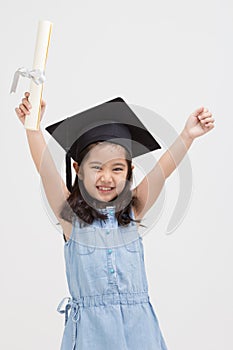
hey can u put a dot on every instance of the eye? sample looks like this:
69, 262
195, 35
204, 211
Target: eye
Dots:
118, 169
96, 167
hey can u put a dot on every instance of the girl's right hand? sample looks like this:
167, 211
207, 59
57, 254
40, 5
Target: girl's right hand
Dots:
25, 106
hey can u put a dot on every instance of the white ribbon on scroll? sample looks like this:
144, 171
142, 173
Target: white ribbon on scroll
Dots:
36, 75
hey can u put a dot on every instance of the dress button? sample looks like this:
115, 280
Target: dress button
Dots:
111, 270
107, 232
109, 251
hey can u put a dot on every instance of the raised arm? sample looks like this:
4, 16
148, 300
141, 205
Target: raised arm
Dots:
54, 186
198, 123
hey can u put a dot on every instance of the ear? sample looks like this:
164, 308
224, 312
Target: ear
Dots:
77, 170
76, 167
132, 167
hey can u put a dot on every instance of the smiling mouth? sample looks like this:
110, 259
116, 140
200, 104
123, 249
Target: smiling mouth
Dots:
103, 189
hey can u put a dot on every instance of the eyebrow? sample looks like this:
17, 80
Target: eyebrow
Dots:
96, 162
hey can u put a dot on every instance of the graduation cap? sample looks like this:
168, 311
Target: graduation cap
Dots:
112, 121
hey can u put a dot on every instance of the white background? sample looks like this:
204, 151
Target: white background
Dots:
171, 57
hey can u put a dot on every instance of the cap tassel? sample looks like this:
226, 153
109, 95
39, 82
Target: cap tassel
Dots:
68, 172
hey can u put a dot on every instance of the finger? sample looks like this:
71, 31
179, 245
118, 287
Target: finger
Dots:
205, 115
20, 115
27, 94
24, 109
19, 112
198, 111
43, 103
207, 120
26, 103
209, 125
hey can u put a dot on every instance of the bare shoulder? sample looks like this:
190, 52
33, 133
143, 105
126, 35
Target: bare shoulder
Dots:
136, 216
148, 190
66, 227
136, 207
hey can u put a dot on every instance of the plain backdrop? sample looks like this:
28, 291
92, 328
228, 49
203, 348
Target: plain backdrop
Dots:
171, 57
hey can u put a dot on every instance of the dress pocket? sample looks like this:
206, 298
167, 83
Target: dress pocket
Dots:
132, 247
130, 239
85, 241
84, 249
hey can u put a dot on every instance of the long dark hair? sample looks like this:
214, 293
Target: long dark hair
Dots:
77, 205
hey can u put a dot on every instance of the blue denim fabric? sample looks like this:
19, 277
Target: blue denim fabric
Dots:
109, 306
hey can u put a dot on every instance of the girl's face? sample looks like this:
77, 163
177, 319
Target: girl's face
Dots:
104, 171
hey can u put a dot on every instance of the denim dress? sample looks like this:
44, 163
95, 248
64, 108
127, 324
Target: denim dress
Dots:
109, 306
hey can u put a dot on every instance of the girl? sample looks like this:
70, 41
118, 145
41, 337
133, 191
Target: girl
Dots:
99, 214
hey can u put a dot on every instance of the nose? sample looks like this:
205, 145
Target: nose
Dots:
106, 176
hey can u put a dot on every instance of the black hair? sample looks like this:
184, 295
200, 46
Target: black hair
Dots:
77, 205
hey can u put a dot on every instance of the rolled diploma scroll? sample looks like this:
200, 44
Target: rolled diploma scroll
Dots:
32, 121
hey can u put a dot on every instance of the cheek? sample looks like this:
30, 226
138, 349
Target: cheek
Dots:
121, 183
90, 179
93, 178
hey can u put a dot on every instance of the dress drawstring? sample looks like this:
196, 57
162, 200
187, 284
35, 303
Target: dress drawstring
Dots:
75, 304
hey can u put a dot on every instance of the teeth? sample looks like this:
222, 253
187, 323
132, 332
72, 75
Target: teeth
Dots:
105, 188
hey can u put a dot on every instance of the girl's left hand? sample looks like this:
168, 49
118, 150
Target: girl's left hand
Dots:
199, 122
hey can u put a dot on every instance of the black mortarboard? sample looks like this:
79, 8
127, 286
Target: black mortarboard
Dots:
113, 120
